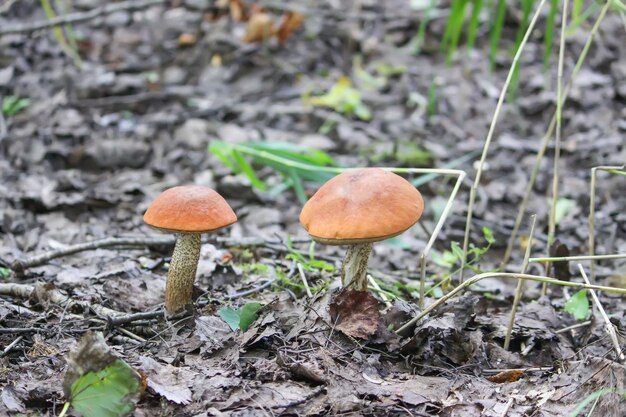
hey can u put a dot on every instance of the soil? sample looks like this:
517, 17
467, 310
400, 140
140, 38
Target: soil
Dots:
98, 143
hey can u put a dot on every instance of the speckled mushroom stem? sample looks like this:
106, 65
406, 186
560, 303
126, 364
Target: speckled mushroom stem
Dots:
182, 273
354, 268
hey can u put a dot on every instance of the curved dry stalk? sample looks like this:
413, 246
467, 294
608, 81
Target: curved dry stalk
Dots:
546, 139
520, 285
609, 326
578, 258
492, 127
473, 280
592, 213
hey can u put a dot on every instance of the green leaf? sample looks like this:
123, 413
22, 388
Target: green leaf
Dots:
248, 314
97, 383
246, 168
106, 393
562, 209
488, 235
240, 319
578, 305
4, 272
231, 316
12, 105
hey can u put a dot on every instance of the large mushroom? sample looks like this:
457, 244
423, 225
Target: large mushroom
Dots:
189, 211
357, 208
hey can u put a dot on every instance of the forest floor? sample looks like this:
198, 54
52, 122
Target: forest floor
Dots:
94, 146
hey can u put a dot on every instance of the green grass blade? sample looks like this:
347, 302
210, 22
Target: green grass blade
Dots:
454, 28
549, 36
496, 32
421, 30
224, 151
472, 29
577, 7
248, 171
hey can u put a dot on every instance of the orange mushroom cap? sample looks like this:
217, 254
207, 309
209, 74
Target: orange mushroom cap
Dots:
191, 209
362, 205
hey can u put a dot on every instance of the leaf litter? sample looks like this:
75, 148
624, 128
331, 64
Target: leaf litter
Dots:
82, 160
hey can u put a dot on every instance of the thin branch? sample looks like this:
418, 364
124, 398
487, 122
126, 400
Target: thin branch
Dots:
70, 18
19, 266
492, 128
476, 278
546, 139
578, 258
609, 326
519, 291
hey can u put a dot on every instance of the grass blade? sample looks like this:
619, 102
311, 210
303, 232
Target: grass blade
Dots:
549, 36
496, 32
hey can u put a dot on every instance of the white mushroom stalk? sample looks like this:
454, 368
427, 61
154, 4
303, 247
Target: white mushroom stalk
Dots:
354, 267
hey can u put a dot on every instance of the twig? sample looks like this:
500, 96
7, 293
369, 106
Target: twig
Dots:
19, 266
70, 18
592, 214
577, 258
519, 291
609, 326
507, 407
13, 330
573, 327
492, 127
56, 297
379, 290
548, 136
304, 281
476, 278
11, 346
129, 318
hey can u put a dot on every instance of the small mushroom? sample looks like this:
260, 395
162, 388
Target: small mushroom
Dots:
357, 208
189, 211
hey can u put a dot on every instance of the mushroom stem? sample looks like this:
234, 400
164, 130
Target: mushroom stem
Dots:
182, 273
354, 268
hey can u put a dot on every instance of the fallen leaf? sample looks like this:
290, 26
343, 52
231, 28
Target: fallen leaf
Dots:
97, 383
560, 268
290, 22
237, 11
167, 380
260, 28
355, 313
187, 39
506, 376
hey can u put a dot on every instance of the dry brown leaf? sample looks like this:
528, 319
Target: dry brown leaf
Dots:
237, 11
506, 376
355, 313
260, 28
290, 22
187, 39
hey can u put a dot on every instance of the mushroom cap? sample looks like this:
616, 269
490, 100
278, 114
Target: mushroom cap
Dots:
362, 205
190, 209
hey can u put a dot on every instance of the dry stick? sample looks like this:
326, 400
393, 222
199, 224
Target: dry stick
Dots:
520, 285
80, 17
548, 136
592, 213
557, 142
492, 128
379, 290
304, 280
609, 326
578, 258
19, 266
56, 297
473, 280
433, 237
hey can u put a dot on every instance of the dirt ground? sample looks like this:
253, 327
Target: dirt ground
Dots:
97, 144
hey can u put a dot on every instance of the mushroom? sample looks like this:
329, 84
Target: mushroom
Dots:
357, 208
189, 211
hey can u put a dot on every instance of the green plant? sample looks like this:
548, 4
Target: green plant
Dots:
278, 156
11, 105
310, 263
578, 305
342, 98
240, 318
454, 257
64, 36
